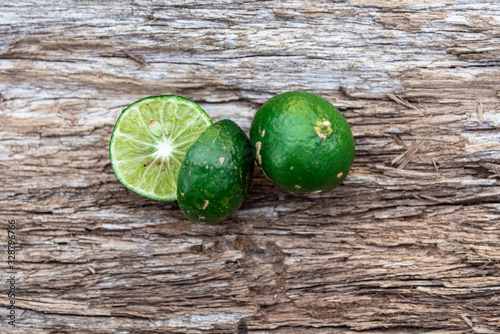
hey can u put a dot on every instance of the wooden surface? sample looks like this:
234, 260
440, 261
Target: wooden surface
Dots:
409, 243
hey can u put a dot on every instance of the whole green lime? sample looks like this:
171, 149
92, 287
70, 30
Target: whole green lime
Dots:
302, 142
216, 174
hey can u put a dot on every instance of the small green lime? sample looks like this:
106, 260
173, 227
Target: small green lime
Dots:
149, 142
302, 142
216, 174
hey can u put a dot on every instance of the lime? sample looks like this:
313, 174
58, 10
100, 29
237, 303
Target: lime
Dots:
216, 174
302, 142
149, 143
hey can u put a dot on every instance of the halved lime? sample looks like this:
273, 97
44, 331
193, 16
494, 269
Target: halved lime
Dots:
149, 143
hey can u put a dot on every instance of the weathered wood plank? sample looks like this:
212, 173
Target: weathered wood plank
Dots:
408, 247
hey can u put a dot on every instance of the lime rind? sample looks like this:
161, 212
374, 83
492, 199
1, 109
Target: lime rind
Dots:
150, 140
216, 174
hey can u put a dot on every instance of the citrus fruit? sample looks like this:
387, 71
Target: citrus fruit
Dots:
149, 143
302, 142
216, 174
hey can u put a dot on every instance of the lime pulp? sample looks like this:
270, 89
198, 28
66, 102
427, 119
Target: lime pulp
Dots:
149, 143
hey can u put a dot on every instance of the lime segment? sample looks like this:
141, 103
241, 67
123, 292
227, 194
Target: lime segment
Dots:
150, 141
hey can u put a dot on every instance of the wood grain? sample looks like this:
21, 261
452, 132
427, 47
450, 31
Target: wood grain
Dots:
409, 243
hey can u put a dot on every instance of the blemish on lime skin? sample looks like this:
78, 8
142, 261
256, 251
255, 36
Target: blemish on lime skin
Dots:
258, 145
